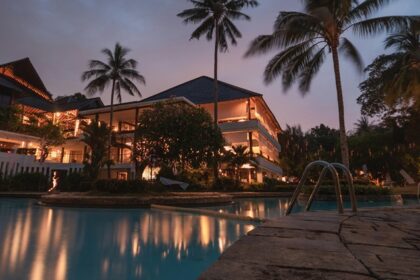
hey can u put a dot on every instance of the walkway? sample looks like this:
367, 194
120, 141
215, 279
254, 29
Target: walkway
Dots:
374, 244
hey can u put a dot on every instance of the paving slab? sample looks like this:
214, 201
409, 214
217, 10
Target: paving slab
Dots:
372, 244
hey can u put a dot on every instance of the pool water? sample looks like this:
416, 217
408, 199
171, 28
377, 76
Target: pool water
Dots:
71, 243
273, 208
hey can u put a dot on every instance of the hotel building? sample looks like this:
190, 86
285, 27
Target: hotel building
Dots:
244, 119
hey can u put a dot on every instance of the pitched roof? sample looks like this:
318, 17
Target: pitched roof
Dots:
78, 102
200, 91
48, 106
24, 70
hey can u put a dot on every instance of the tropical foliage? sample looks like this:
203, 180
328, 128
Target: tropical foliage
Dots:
382, 149
176, 135
393, 84
305, 39
118, 71
235, 158
215, 19
95, 136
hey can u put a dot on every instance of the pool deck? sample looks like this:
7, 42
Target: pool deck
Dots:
372, 244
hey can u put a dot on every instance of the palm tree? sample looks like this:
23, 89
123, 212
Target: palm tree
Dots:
363, 125
306, 37
118, 71
236, 158
401, 74
95, 135
215, 19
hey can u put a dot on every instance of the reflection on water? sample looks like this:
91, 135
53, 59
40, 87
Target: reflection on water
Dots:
59, 243
276, 207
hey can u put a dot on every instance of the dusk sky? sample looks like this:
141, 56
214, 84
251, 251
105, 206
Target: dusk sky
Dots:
60, 36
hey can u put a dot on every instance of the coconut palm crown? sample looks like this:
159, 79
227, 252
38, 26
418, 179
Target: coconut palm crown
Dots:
305, 39
215, 19
118, 71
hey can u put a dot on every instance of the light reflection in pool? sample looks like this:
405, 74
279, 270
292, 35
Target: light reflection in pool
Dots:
61, 243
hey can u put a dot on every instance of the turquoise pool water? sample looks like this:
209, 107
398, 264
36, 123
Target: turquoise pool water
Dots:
276, 207
70, 243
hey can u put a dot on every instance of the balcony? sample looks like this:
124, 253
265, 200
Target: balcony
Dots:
249, 125
268, 165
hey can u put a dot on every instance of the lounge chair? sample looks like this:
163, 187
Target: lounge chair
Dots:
170, 182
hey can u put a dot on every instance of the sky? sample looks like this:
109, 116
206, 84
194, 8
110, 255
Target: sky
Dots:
61, 36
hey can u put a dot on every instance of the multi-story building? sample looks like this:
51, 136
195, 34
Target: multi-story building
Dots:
244, 119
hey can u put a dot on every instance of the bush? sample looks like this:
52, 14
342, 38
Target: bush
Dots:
75, 182
359, 190
120, 186
229, 184
37, 182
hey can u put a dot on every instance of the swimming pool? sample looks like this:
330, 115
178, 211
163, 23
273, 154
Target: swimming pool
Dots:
72, 243
273, 208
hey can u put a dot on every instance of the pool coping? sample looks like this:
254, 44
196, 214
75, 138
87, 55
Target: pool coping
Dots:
374, 243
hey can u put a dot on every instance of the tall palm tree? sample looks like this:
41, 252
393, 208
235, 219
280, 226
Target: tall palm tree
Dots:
215, 19
401, 74
118, 71
306, 37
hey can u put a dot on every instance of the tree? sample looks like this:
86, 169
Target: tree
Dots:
50, 135
118, 71
236, 158
393, 84
176, 135
215, 18
305, 37
363, 125
294, 152
10, 120
95, 135
323, 143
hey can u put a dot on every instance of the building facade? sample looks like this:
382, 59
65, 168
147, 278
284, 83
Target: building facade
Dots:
244, 119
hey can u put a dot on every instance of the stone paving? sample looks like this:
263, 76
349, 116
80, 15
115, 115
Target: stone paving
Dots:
372, 244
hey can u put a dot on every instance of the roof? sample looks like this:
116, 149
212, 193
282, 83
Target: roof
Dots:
133, 105
77, 102
48, 106
35, 102
201, 91
24, 70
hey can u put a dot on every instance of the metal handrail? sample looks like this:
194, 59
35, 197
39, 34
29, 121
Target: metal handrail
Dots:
349, 179
304, 177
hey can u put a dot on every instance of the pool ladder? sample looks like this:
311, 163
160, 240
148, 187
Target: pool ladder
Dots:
332, 167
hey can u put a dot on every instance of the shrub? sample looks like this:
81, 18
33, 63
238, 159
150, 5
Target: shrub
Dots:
75, 182
228, 184
120, 186
29, 182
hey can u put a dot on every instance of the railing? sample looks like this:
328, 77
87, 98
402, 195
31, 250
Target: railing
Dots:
326, 167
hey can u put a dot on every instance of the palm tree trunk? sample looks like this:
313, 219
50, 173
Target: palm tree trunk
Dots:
216, 82
343, 137
111, 118
216, 98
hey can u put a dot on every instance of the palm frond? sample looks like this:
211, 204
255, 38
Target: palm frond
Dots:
388, 23
97, 85
205, 28
97, 64
93, 73
350, 51
365, 9
310, 70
